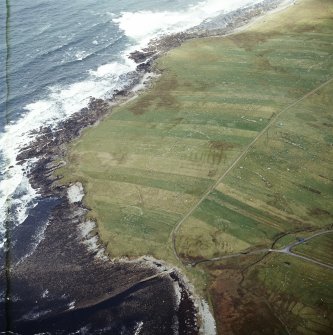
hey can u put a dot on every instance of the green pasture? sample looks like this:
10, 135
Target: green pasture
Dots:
154, 159
319, 248
299, 293
177, 138
284, 183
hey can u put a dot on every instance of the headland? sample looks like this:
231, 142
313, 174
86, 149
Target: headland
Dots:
222, 163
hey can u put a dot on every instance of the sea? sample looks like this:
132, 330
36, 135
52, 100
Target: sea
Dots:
55, 56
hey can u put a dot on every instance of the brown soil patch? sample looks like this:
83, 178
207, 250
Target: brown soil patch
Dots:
239, 311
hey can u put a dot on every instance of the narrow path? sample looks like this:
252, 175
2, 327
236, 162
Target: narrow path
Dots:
311, 260
285, 250
288, 248
174, 232
238, 254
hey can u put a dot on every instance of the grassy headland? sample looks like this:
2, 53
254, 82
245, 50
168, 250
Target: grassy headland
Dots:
228, 151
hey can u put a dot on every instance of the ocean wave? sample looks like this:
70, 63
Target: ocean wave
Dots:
30, 60
73, 46
134, 24
16, 193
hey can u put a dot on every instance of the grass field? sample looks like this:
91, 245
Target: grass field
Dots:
302, 302
277, 295
235, 136
319, 248
277, 188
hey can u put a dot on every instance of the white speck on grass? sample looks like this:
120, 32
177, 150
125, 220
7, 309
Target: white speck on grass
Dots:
75, 193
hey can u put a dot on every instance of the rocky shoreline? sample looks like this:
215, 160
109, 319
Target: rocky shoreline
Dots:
62, 279
223, 24
73, 275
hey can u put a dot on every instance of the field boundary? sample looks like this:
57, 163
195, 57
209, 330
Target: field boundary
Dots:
174, 232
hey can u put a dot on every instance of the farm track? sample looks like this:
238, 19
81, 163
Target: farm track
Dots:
174, 232
285, 250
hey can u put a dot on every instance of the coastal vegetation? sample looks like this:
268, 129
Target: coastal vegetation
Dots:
319, 248
228, 153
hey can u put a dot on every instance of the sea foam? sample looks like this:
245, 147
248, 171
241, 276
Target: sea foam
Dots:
16, 193
135, 24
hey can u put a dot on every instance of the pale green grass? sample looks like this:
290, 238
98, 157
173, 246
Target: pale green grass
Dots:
299, 292
284, 183
152, 160
320, 248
